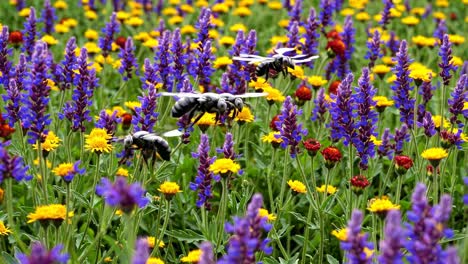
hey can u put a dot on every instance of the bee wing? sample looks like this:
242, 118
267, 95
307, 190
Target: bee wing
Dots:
243, 55
283, 50
250, 95
299, 56
306, 60
194, 95
250, 60
173, 133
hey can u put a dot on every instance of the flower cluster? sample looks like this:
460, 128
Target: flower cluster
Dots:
120, 194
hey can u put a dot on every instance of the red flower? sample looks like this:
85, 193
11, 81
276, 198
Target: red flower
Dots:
453, 16
126, 120
120, 41
333, 88
16, 37
273, 121
303, 94
5, 129
337, 46
333, 34
312, 146
359, 183
403, 163
331, 155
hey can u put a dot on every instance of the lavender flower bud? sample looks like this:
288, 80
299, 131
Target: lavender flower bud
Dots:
356, 242
290, 131
146, 116
446, 65
394, 239
385, 149
48, 17
320, 107
374, 52
30, 34
428, 125
401, 135
204, 177
207, 254
128, 60
109, 31
342, 118
459, 97
385, 19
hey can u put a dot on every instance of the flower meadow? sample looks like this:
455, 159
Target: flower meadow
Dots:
357, 156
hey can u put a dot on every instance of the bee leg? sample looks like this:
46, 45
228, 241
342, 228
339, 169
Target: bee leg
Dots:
196, 119
267, 73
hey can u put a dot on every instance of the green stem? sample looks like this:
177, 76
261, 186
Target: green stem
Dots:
441, 111
306, 234
10, 213
166, 221
42, 169
156, 243
270, 189
283, 181
398, 191
222, 211
350, 191
130, 237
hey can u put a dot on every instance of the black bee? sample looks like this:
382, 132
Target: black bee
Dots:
278, 62
191, 103
150, 144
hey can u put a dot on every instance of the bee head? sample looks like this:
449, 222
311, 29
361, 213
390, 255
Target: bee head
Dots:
128, 141
222, 105
239, 104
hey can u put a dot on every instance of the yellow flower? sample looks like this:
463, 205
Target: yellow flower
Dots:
437, 119
262, 212
271, 137
220, 8
442, 3
122, 172
347, 12
207, 119
193, 256
297, 186
70, 22
381, 205
61, 5
187, 8
274, 95
107, 259
134, 21
188, 29
316, 81
418, 11
297, 72
245, 115
49, 40
91, 34
222, 62
382, 101
375, 140
176, 20
61, 28
242, 11
226, 41
341, 234
154, 261
201, 3
388, 60
151, 43
169, 188
381, 69
98, 141
456, 61
4, 231
92, 47
54, 212
223, 166
50, 143
24, 12
238, 27
63, 169
132, 104
456, 39
410, 20
216, 21
329, 189
278, 39
142, 36
283, 23
36, 162
423, 41
122, 15
391, 79
421, 74
91, 15
439, 15
152, 242
358, 4
260, 84
434, 154
362, 16
275, 5
213, 34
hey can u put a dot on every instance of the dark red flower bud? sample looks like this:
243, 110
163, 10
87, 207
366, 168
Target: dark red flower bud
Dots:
273, 125
312, 146
332, 155
303, 94
5, 129
453, 16
333, 34
120, 41
337, 46
126, 120
359, 183
403, 163
15, 38
333, 88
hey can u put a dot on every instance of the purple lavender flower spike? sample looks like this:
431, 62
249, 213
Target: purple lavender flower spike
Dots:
164, 62
68, 65
5, 53
237, 70
341, 63
128, 60
320, 107
446, 64
204, 177
12, 101
142, 252
290, 131
247, 233
121, 195
20, 4
393, 44
30, 34
33, 113
426, 89
440, 31
146, 116
428, 125
228, 147
385, 149
184, 122
464, 69
427, 10
402, 88
179, 58
108, 121
12, 166
295, 13
48, 17
293, 34
388, 4
108, 32
366, 119
204, 65
76, 110
75, 171
40, 254
451, 256
342, 122
459, 97
150, 75
326, 13
21, 73
207, 254
401, 136
356, 242
311, 35
203, 25
374, 51
394, 239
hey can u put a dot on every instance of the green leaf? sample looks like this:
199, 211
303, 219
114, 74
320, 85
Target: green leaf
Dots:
8, 259
186, 235
332, 260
